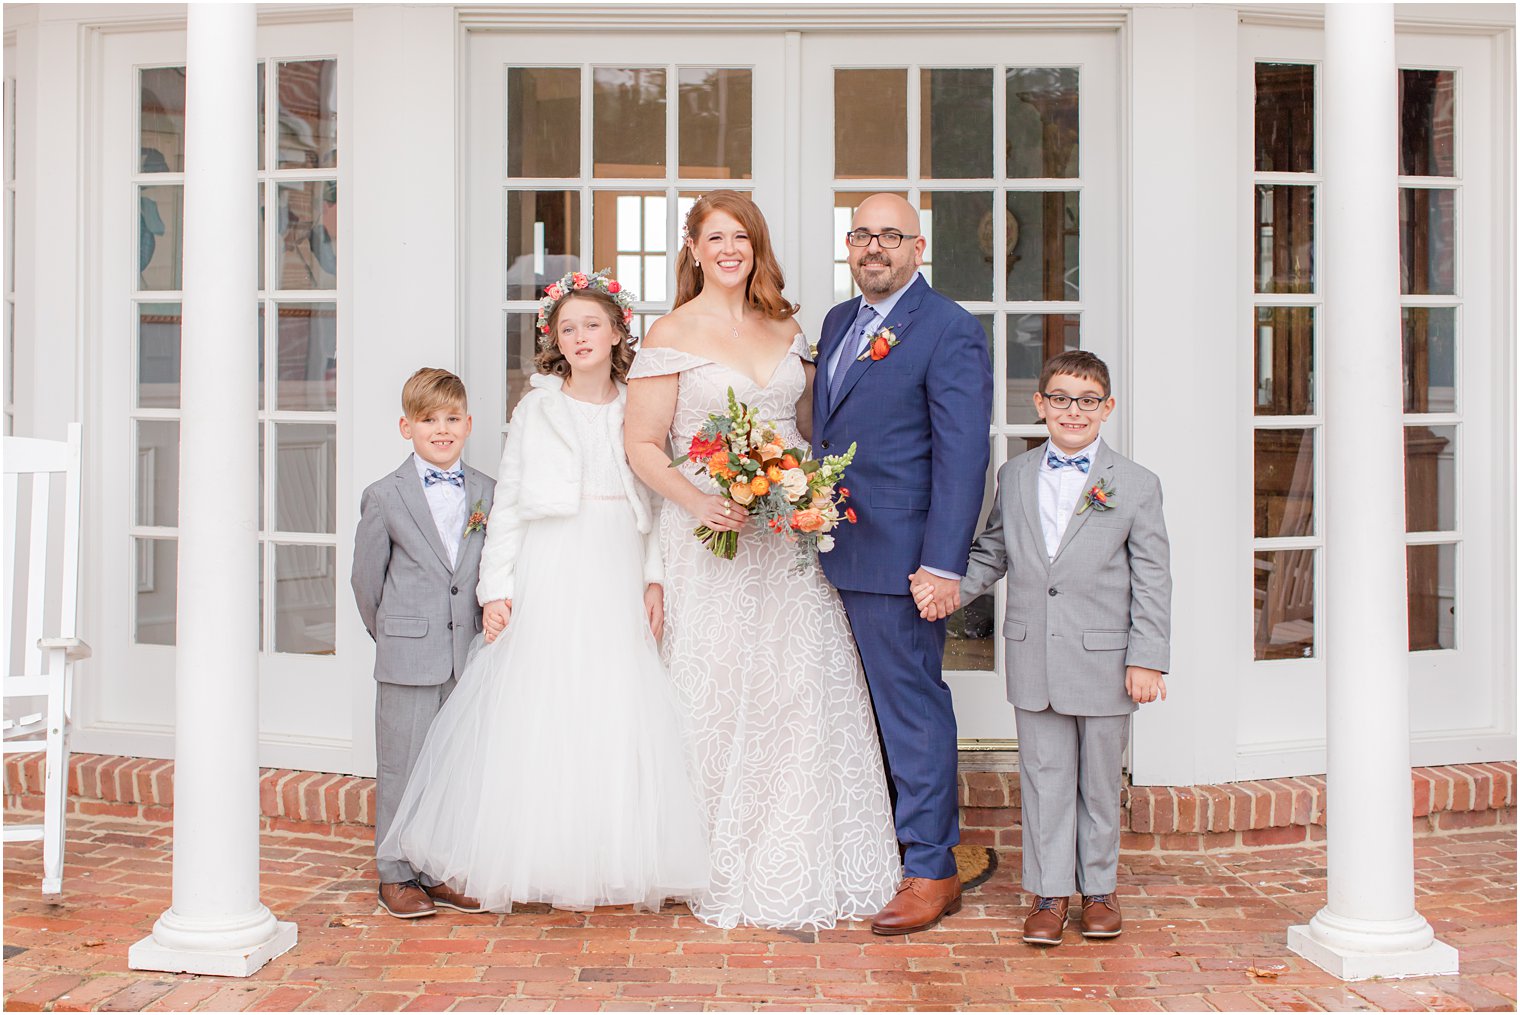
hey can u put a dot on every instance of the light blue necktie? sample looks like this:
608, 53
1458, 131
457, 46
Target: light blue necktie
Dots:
1055, 461
454, 477
850, 348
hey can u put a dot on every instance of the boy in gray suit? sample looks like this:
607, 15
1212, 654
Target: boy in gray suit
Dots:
1078, 529
416, 563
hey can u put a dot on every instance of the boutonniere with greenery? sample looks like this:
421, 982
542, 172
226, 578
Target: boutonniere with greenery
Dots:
1099, 498
477, 522
878, 344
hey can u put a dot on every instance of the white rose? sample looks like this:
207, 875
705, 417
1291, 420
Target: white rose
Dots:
794, 482
825, 544
741, 494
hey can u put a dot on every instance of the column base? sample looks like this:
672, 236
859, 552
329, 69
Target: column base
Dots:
149, 954
1372, 951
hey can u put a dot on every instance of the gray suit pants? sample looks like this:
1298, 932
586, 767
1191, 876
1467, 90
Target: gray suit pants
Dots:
403, 714
1070, 769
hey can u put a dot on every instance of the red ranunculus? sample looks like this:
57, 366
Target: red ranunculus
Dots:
614, 287
703, 448
849, 514
880, 347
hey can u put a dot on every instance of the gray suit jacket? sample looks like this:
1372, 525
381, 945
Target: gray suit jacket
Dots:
421, 612
1074, 623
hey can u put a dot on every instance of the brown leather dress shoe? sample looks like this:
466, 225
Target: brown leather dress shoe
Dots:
918, 905
405, 900
443, 895
1046, 921
1101, 916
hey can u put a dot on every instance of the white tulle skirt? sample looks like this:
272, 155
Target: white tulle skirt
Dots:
556, 772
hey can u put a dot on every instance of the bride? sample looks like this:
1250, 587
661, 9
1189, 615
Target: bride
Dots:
784, 753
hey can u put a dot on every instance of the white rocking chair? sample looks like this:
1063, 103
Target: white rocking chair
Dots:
46, 664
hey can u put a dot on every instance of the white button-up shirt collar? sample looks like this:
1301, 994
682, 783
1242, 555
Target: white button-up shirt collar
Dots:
1060, 490
447, 504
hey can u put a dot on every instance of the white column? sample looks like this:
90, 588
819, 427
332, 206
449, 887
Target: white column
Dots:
1369, 926
216, 923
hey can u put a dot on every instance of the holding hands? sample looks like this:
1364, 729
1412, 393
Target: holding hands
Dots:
494, 618
935, 597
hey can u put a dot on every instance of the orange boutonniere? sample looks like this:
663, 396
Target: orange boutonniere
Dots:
1099, 498
477, 522
878, 344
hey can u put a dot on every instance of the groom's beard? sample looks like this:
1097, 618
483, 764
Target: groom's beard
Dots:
882, 284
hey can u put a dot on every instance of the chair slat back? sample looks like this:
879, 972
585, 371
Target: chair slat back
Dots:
36, 581
37, 610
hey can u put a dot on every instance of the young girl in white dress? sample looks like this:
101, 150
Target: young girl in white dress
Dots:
555, 771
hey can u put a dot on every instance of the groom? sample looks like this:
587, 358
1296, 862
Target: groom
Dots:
904, 373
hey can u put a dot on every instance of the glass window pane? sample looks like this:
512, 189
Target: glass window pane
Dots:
1430, 359
260, 88
1032, 339
628, 234
955, 123
1284, 239
1427, 122
261, 365
871, 123
308, 224
1284, 118
162, 96
158, 336
629, 121
305, 479
262, 245
157, 473
305, 599
1042, 244
845, 203
160, 237
1427, 241
307, 367
1284, 503
1430, 478
1284, 592
958, 260
1042, 122
543, 237
715, 130
1432, 597
543, 121
970, 632
1284, 361
155, 565
307, 93
522, 346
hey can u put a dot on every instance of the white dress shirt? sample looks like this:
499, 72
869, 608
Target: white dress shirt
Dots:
1060, 490
883, 311
447, 503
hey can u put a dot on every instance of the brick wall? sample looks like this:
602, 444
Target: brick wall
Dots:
1229, 816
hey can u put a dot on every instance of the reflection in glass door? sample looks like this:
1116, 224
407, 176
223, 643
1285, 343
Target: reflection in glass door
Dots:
1011, 159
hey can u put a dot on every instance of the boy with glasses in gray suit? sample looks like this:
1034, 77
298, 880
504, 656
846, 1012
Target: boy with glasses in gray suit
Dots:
416, 564
1078, 529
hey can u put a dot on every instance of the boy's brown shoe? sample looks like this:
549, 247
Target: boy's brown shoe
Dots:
405, 900
1101, 916
1046, 921
443, 895
918, 905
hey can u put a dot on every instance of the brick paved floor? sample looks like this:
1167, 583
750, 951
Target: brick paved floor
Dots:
1204, 931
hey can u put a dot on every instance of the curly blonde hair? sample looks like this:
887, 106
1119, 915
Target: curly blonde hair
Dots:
550, 360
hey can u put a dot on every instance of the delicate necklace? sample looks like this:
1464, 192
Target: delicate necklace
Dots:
733, 334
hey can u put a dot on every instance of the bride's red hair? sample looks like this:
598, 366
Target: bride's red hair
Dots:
763, 290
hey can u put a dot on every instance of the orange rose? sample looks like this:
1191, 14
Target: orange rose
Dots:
789, 462
759, 486
808, 521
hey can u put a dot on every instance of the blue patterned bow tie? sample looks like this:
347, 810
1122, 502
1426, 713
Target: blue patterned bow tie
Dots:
1055, 461
454, 476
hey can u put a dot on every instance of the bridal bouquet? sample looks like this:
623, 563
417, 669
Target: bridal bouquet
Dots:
795, 495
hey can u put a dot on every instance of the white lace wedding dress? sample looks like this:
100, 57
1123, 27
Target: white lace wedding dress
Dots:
784, 754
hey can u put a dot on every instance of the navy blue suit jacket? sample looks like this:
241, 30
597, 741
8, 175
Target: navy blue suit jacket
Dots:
919, 418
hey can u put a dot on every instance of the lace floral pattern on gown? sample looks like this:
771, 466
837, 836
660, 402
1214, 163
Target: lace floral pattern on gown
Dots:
784, 753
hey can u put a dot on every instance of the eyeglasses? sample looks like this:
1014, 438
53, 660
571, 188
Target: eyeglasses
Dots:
891, 239
1087, 403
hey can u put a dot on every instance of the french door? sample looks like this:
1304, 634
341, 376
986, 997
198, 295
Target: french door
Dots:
1008, 144
580, 156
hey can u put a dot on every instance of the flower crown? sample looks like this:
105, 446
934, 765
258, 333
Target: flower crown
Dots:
577, 280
